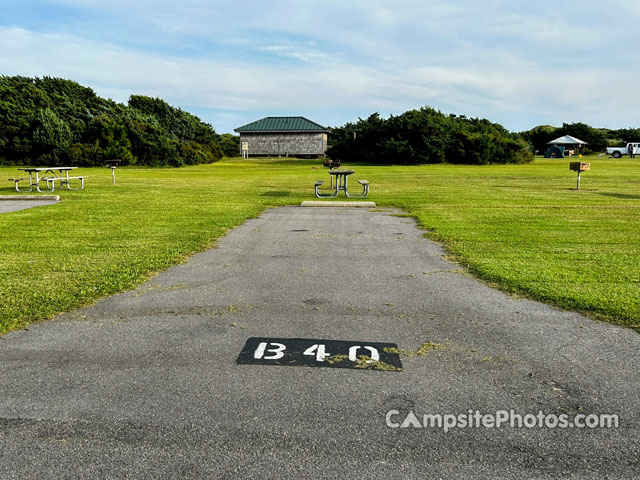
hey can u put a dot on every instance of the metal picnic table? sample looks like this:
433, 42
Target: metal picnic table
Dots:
341, 184
60, 174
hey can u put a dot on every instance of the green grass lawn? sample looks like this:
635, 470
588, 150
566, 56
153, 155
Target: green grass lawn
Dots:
523, 228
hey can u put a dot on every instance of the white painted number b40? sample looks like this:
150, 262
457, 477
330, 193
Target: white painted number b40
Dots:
275, 351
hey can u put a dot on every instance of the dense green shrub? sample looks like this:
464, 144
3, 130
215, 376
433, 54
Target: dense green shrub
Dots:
54, 121
51, 136
623, 136
427, 136
230, 144
85, 155
114, 141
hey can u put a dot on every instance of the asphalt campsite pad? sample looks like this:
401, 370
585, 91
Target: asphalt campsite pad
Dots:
7, 206
151, 383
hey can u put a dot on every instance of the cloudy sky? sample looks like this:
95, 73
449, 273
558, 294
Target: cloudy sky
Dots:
519, 63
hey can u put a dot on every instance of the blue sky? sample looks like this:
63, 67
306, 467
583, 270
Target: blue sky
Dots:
518, 63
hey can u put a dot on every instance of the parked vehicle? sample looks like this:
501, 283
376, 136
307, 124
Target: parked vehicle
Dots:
617, 152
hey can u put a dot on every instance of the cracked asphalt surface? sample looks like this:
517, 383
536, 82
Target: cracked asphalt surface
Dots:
145, 384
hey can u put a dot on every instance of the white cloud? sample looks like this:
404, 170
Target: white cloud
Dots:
303, 55
488, 59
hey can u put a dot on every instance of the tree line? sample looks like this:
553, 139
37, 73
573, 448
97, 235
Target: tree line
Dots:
427, 136
598, 139
54, 121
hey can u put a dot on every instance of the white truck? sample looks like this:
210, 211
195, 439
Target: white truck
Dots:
617, 152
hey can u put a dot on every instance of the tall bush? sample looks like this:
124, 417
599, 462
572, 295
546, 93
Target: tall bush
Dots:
427, 136
51, 136
54, 121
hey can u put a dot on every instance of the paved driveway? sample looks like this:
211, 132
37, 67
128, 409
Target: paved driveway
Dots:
7, 206
146, 384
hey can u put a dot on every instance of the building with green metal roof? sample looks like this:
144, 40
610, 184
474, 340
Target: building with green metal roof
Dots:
296, 136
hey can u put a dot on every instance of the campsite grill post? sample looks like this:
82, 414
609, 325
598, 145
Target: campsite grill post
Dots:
579, 167
112, 164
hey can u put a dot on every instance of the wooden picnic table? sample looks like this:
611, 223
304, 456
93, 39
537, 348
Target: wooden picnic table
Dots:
55, 174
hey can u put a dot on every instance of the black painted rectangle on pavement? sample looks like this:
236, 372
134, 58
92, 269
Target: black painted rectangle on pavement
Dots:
321, 353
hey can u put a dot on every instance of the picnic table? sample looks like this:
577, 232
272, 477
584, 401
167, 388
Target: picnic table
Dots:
341, 184
50, 175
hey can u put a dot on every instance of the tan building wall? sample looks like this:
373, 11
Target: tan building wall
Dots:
285, 143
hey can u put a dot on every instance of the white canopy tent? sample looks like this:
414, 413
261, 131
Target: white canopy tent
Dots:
567, 140
569, 143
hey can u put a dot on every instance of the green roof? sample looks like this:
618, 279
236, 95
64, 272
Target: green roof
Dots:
281, 124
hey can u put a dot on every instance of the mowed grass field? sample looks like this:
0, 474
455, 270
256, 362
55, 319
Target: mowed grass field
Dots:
523, 228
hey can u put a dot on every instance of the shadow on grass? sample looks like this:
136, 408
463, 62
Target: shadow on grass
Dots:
277, 193
624, 196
